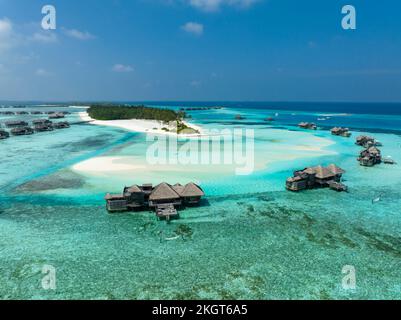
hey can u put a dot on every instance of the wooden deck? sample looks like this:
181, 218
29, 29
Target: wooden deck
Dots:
166, 211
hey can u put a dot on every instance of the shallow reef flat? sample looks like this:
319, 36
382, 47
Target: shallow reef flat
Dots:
250, 239
255, 246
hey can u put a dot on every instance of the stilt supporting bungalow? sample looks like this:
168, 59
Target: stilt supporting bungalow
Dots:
61, 125
58, 115
164, 199
22, 131
116, 202
370, 157
308, 125
343, 132
15, 124
317, 177
366, 142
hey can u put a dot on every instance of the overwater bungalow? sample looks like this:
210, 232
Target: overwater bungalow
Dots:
43, 127
164, 194
4, 134
339, 131
370, 157
61, 125
366, 142
56, 116
317, 177
116, 202
36, 112
164, 199
22, 112
308, 125
136, 197
239, 117
22, 131
41, 122
9, 113
15, 124
191, 194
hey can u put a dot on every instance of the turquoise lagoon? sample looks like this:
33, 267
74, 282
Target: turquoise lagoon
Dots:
251, 239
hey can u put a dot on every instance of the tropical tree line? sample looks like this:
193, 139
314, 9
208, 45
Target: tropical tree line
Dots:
115, 112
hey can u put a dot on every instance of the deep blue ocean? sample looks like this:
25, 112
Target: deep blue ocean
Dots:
338, 107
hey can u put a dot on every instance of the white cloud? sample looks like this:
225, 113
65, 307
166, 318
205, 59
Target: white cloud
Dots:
6, 34
42, 73
122, 68
5, 27
80, 35
214, 5
193, 27
44, 37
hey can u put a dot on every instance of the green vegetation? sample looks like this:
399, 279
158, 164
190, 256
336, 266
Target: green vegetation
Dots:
182, 128
114, 112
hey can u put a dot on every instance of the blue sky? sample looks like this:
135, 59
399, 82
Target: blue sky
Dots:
271, 50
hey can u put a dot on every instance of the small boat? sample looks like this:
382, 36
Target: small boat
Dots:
376, 200
172, 238
269, 119
389, 160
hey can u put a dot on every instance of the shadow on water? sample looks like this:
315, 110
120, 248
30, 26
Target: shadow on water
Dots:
58, 180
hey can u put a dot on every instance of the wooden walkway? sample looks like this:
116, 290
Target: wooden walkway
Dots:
166, 211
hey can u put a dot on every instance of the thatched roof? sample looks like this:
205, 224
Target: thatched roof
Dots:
134, 189
192, 190
320, 172
114, 196
323, 173
164, 192
294, 179
374, 150
336, 170
179, 188
16, 122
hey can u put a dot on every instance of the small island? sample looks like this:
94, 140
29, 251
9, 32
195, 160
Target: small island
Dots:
141, 118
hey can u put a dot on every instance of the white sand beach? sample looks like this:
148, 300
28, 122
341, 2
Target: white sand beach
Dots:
147, 126
121, 167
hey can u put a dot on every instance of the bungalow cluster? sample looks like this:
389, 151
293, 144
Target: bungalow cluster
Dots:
22, 128
317, 177
339, 131
371, 155
164, 199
